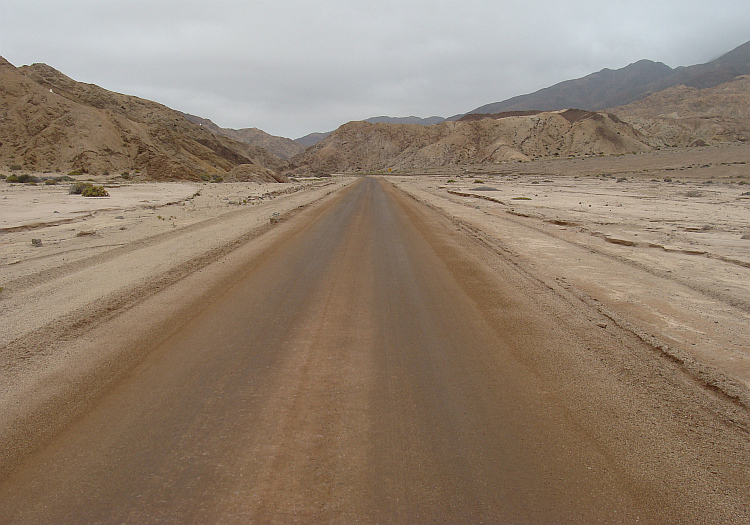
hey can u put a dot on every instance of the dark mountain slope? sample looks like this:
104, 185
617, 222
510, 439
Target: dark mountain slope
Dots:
611, 88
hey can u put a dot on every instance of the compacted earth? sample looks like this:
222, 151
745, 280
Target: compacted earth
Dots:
561, 341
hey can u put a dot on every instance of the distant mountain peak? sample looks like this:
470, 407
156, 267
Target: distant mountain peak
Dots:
610, 88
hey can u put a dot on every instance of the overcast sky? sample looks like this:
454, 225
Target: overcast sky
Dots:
291, 67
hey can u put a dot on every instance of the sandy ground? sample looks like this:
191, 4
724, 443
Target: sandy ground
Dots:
659, 241
656, 243
372, 360
92, 247
98, 258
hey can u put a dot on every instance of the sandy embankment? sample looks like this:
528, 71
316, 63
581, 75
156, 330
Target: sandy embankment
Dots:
659, 243
111, 276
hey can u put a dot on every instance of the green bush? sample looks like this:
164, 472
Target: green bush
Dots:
95, 191
23, 179
15, 167
75, 173
87, 190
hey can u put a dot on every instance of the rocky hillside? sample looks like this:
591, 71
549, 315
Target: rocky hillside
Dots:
50, 122
361, 146
281, 147
685, 116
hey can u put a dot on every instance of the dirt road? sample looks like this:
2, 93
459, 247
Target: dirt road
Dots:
378, 364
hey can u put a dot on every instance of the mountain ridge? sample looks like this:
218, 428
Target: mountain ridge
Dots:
613, 88
282, 147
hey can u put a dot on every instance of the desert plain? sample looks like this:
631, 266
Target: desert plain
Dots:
652, 249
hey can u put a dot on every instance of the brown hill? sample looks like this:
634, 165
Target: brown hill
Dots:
50, 122
253, 173
684, 116
370, 147
281, 147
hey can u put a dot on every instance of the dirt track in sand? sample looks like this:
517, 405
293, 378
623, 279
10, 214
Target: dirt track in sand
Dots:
372, 361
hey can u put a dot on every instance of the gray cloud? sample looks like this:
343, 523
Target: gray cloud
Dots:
293, 67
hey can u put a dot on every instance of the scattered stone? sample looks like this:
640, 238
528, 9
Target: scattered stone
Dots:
36, 242
119, 217
275, 217
601, 325
84, 233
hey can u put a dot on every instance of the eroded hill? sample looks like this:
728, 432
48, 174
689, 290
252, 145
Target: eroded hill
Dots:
361, 146
686, 116
50, 122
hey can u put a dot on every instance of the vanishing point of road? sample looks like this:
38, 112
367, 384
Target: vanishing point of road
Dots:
381, 364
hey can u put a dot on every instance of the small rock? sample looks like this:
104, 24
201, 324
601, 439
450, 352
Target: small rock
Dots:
601, 325
36, 242
119, 217
83, 233
746, 236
